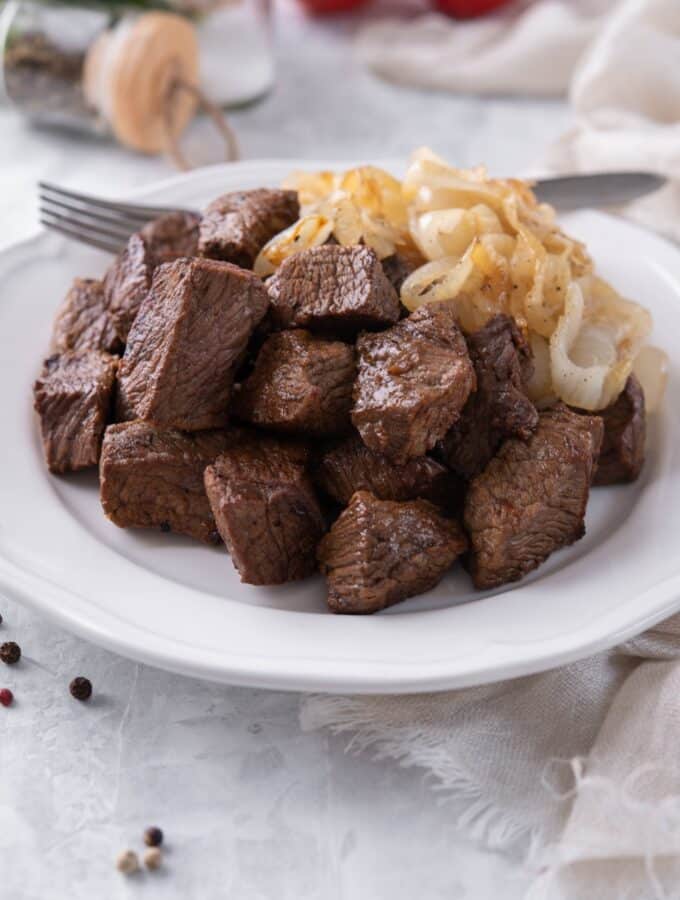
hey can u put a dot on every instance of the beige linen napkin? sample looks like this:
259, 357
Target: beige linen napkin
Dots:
528, 48
583, 762
626, 97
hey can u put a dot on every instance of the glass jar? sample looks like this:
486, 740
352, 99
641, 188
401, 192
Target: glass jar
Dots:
113, 70
43, 60
236, 51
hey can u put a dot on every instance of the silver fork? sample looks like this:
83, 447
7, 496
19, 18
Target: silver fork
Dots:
105, 224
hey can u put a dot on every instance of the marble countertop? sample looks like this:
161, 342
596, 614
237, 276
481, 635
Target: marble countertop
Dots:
253, 808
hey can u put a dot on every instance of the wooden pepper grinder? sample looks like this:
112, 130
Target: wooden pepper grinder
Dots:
143, 78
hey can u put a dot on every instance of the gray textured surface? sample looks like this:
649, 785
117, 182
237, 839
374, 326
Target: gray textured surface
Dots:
253, 807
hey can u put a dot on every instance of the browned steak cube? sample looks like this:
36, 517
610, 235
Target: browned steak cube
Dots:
499, 408
128, 279
379, 552
531, 498
83, 321
191, 331
300, 384
153, 478
73, 399
413, 382
127, 283
332, 289
171, 237
266, 510
397, 268
623, 446
236, 226
350, 467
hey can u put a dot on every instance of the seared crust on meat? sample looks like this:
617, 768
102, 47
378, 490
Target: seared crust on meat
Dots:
126, 284
351, 466
187, 340
332, 290
153, 478
531, 498
236, 226
499, 408
623, 448
73, 398
300, 384
379, 552
266, 509
413, 381
84, 322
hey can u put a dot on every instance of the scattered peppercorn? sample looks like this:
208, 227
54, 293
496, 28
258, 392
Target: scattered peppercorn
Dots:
10, 653
0, 620
153, 858
128, 862
153, 836
6, 697
81, 688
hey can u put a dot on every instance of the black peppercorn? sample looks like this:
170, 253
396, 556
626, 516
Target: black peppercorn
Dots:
0, 620
153, 837
10, 653
81, 688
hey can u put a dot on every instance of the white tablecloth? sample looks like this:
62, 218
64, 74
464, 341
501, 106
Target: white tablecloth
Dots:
252, 807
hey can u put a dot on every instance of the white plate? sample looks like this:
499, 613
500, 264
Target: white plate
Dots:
176, 604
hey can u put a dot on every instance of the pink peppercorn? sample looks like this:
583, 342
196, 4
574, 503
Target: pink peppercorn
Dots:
6, 697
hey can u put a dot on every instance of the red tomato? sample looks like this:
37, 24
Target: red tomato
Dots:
328, 7
468, 9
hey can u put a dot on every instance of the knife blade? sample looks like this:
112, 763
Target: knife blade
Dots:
598, 189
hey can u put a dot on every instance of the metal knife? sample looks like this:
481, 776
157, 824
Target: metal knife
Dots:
599, 189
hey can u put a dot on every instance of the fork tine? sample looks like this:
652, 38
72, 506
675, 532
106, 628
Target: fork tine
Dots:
133, 209
118, 234
84, 238
112, 217
88, 205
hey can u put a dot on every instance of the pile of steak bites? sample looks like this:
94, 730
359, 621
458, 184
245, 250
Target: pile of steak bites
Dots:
307, 422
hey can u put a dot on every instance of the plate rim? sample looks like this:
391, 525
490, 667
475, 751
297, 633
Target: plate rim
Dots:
249, 672
32, 590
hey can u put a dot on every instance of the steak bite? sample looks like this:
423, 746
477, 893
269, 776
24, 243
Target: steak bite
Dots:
531, 498
73, 399
351, 466
266, 510
171, 236
413, 381
128, 279
623, 446
83, 321
191, 332
126, 284
499, 408
332, 289
379, 552
236, 226
153, 478
300, 384
397, 268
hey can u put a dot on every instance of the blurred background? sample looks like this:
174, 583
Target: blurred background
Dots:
87, 98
